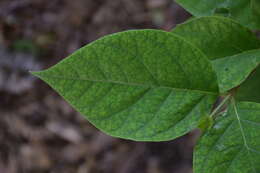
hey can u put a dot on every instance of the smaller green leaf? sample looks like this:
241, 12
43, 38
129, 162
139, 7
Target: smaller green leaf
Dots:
232, 71
232, 145
245, 12
217, 36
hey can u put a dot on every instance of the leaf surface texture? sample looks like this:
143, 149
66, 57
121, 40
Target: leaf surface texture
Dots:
232, 145
244, 11
144, 85
217, 36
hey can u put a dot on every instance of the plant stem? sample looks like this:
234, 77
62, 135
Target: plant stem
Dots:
220, 105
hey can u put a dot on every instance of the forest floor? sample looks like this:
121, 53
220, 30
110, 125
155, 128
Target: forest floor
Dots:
39, 131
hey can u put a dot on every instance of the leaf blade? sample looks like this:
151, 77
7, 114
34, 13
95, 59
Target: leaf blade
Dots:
234, 70
224, 147
217, 36
123, 84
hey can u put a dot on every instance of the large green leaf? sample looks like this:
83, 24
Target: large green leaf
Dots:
234, 70
244, 11
250, 89
144, 85
217, 36
232, 145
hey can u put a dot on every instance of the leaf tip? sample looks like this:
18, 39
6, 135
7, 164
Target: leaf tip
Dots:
35, 73
38, 74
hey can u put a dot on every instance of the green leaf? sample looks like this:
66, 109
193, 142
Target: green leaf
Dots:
234, 70
226, 43
232, 145
244, 11
256, 6
144, 85
249, 90
217, 37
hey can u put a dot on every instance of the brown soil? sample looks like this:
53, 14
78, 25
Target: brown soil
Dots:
39, 131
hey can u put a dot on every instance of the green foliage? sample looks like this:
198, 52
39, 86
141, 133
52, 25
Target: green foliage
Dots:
234, 70
246, 12
217, 36
249, 90
151, 85
232, 145
133, 85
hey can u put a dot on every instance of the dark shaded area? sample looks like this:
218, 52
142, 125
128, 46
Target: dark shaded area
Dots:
39, 131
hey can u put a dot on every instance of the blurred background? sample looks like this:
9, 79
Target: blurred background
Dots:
39, 131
